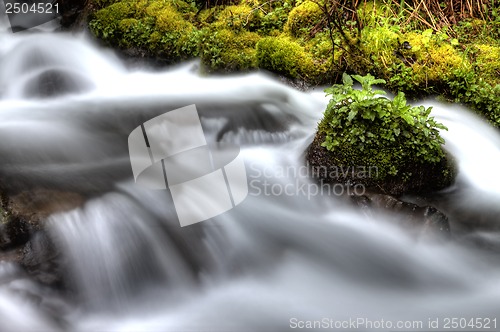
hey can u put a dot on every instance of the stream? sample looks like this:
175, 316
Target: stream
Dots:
279, 260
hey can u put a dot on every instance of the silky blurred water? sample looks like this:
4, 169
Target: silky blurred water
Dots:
271, 262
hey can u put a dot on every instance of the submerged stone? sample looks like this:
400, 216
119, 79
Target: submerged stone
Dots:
417, 220
56, 82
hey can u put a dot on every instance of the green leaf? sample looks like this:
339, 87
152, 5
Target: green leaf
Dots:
362, 79
408, 118
369, 115
399, 101
441, 126
347, 80
352, 115
379, 81
379, 92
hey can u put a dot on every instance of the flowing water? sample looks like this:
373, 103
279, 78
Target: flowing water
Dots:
66, 110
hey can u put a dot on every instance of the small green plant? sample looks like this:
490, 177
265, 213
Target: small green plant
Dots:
226, 50
275, 19
362, 127
471, 89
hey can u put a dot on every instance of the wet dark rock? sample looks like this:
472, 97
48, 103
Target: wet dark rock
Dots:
13, 232
11, 255
23, 239
424, 177
73, 12
419, 220
35, 205
41, 260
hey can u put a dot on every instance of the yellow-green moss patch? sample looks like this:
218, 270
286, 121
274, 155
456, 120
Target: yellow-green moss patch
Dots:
283, 55
303, 18
226, 50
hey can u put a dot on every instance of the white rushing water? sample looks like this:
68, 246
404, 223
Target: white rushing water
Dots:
269, 263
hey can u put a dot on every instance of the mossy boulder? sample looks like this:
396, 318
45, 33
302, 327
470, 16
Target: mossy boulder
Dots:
149, 28
382, 144
342, 166
303, 18
284, 56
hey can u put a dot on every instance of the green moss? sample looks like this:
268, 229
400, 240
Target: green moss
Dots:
103, 3
227, 50
151, 27
273, 22
469, 31
470, 88
424, 68
206, 17
154, 39
152, 7
133, 33
267, 5
376, 52
320, 46
238, 18
435, 60
107, 20
272, 15
488, 62
303, 18
168, 20
320, 49
283, 55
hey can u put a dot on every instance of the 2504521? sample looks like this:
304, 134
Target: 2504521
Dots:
35, 8
469, 323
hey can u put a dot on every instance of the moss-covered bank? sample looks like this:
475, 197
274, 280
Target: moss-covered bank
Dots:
446, 51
